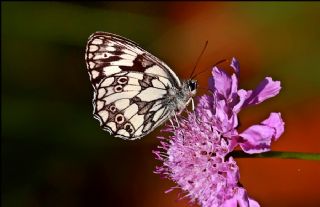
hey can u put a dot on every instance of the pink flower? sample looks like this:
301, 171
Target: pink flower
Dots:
195, 156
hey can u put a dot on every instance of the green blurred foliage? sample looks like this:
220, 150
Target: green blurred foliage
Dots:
289, 35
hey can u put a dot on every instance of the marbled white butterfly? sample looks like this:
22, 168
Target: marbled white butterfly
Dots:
134, 92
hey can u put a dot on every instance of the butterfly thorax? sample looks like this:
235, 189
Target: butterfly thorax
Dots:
179, 98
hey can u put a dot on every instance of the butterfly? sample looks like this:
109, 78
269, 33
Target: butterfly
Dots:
134, 91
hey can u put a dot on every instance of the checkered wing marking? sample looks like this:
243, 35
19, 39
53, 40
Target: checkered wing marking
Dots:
130, 105
107, 54
130, 86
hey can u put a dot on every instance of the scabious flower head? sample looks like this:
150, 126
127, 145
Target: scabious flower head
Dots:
196, 155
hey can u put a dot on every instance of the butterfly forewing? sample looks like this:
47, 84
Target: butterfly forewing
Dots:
130, 86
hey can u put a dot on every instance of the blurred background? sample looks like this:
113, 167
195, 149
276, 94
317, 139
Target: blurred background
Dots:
55, 154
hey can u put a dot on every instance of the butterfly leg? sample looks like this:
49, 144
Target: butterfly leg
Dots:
172, 124
192, 103
175, 116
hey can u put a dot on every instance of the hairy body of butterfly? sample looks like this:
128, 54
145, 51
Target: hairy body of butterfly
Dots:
134, 92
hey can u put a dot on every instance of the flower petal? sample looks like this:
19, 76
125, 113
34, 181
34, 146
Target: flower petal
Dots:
236, 66
225, 120
234, 85
253, 203
242, 95
266, 89
257, 138
239, 199
221, 82
275, 121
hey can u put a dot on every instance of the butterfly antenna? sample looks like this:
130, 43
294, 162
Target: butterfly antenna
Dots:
217, 63
204, 48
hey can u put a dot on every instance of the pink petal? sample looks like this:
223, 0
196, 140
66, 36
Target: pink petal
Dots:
234, 85
224, 121
239, 199
221, 82
253, 203
242, 94
275, 121
257, 138
235, 65
230, 203
266, 89
233, 143
220, 111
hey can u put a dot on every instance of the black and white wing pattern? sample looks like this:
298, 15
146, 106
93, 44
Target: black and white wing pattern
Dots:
130, 86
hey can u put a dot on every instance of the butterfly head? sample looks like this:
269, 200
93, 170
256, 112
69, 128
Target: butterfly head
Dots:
192, 86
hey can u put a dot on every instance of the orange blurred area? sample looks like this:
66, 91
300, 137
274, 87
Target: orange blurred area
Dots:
281, 182
55, 154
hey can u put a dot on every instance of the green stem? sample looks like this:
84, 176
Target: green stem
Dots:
277, 154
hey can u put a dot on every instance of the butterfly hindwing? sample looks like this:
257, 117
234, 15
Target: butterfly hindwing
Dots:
130, 86
128, 104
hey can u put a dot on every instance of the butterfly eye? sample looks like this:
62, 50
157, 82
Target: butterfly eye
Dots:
192, 85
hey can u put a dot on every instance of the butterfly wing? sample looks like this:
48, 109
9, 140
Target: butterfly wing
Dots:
130, 86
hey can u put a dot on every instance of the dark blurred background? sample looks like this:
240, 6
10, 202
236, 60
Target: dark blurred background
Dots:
55, 154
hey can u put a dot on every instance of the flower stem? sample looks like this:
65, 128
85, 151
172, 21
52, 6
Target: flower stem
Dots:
277, 154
